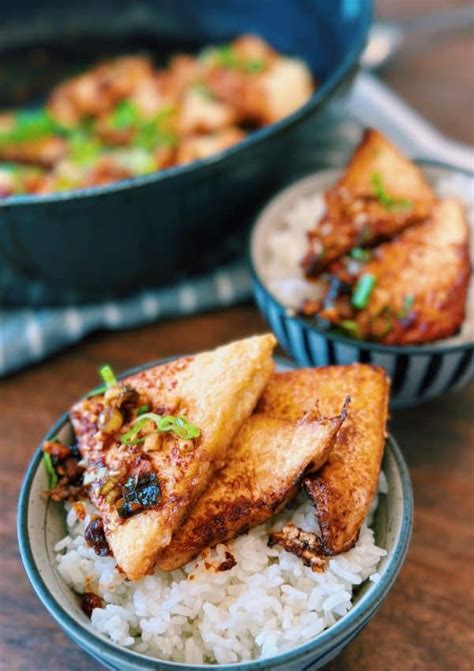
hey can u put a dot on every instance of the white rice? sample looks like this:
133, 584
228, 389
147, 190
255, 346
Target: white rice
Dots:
269, 602
286, 244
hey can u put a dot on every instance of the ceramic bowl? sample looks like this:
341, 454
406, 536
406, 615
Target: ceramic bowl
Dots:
41, 524
418, 372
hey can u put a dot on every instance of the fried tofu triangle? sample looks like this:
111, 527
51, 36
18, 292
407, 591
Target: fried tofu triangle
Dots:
265, 464
427, 265
164, 474
343, 489
380, 193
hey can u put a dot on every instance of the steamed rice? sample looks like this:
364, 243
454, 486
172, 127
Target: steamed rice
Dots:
269, 602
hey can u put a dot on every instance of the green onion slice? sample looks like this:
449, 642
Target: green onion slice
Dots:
407, 306
108, 376
363, 290
384, 198
30, 125
52, 475
350, 327
360, 254
125, 115
84, 149
224, 56
142, 409
253, 65
157, 132
177, 424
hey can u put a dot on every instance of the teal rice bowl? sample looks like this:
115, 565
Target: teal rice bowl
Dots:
42, 528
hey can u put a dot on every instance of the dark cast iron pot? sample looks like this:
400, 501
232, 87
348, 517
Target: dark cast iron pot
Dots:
150, 230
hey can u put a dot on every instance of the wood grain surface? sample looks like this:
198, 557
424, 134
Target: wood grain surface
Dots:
426, 623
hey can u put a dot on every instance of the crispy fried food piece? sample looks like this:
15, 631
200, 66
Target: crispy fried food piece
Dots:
422, 279
196, 147
98, 90
201, 113
380, 193
259, 84
264, 467
304, 544
216, 391
421, 282
44, 152
343, 489
287, 86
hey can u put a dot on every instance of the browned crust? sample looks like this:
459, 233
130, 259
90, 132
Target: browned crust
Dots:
44, 152
230, 378
343, 489
303, 544
354, 216
429, 265
247, 491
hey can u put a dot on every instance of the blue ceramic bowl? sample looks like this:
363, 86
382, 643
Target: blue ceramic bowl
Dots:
146, 231
41, 524
418, 372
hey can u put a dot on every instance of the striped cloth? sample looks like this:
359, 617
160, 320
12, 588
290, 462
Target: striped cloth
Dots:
29, 335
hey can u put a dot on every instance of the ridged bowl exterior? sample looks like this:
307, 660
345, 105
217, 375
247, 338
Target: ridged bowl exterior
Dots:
416, 377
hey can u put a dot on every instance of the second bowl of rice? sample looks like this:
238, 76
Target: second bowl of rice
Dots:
278, 243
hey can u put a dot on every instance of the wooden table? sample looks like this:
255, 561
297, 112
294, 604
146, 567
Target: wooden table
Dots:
426, 622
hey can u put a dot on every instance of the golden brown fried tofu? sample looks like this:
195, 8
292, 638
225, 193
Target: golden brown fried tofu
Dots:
98, 90
144, 489
286, 87
259, 84
196, 147
44, 152
380, 193
201, 113
420, 279
343, 489
265, 464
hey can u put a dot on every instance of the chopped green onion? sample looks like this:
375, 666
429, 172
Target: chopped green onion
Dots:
125, 115
363, 290
83, 148
359, 254
30, 125
224, 56
155, 132
384, 198
108, 376
350, 327
407, 306
179, 425
253, 65
142, 409
52, 475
